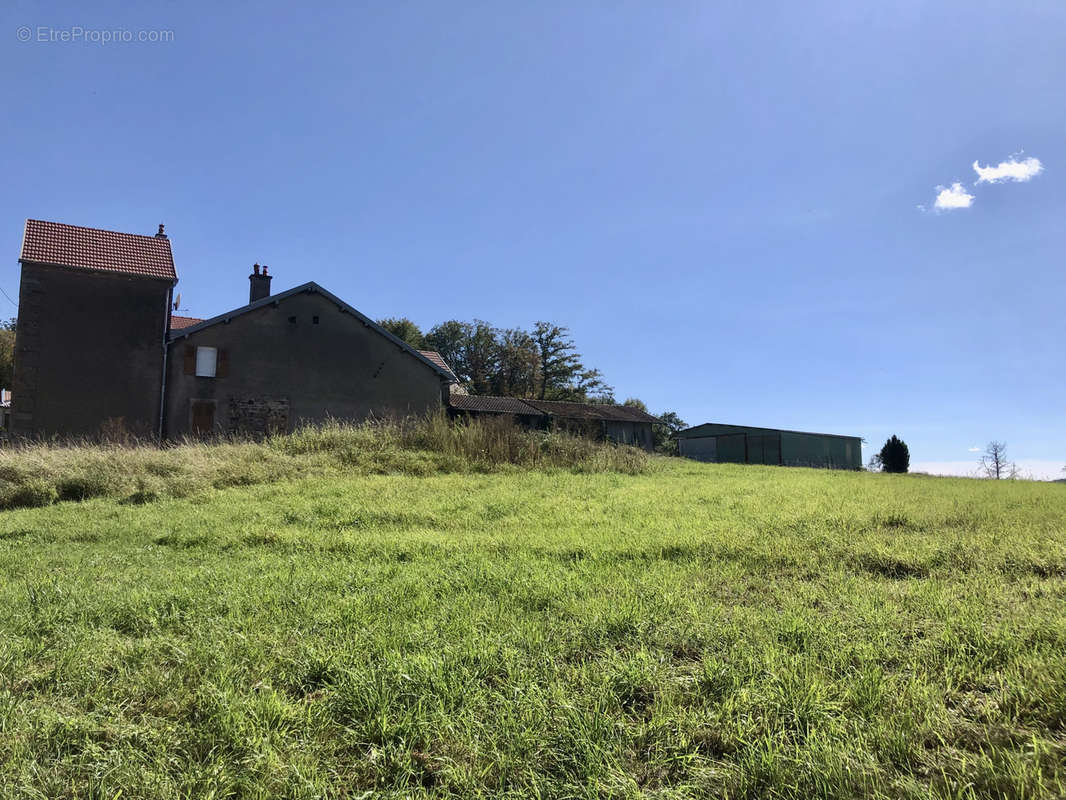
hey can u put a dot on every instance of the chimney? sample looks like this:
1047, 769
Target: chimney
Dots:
160, 234
260, 287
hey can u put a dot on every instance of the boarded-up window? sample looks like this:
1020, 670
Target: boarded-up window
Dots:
202, 417
206, 362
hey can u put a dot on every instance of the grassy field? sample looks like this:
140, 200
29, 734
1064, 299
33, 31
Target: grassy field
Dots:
685, 631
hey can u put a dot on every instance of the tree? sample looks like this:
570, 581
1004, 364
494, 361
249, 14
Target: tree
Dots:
480, 356
542, 363
471, 350
895, 455
7, 352
403, 328
560, 373
447, 338
663, 431
994, 463
516, 374
874, 464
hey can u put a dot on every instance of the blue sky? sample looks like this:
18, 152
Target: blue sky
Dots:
730, 204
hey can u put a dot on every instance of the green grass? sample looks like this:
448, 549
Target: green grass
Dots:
36, 475
687, 631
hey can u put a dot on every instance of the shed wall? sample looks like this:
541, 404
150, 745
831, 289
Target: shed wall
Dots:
812, 450
732, 444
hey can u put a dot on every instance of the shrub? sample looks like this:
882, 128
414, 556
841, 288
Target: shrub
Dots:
34, 493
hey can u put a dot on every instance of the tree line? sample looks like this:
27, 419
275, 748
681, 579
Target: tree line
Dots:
538, 364
541, 364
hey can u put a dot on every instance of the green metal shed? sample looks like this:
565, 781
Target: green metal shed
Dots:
743, 444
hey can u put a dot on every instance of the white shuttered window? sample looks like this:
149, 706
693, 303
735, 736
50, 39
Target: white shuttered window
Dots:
206, 362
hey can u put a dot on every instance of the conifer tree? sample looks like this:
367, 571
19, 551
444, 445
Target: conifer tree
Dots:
895, 455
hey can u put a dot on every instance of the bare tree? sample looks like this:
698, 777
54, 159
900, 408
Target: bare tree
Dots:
994, 463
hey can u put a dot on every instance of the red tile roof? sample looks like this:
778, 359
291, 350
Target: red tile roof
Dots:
177, 323
435, 357
95, 249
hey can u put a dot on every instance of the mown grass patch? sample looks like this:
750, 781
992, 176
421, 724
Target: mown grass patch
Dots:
692, 631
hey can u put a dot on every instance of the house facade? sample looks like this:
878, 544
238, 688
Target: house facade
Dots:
298, 357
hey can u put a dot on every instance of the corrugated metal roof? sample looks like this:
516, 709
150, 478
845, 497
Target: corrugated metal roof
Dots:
722, 429
98, 250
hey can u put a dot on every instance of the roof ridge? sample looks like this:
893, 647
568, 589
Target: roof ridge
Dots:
151, 236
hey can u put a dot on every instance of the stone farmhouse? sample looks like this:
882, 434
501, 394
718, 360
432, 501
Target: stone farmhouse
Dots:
98, 347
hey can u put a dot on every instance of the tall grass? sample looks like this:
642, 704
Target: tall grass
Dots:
34, 475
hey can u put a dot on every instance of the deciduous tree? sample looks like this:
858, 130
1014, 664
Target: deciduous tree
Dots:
560, 373
403, 328
994, 463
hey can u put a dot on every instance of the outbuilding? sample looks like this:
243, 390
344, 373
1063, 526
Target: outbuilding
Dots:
743, 444
619, 424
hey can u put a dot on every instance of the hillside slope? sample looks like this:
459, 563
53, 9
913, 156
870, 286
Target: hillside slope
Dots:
696, 630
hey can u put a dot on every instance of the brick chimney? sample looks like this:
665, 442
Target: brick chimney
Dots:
260, 284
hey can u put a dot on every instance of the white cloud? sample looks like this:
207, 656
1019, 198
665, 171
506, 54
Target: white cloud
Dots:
1010, 170
952, 197
975, 449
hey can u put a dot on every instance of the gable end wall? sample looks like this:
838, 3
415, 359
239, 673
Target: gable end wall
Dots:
338, 368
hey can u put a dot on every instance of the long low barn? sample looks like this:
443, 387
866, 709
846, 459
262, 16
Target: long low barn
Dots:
742, 444
621, 424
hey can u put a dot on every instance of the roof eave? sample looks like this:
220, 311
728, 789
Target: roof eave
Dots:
35, 263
